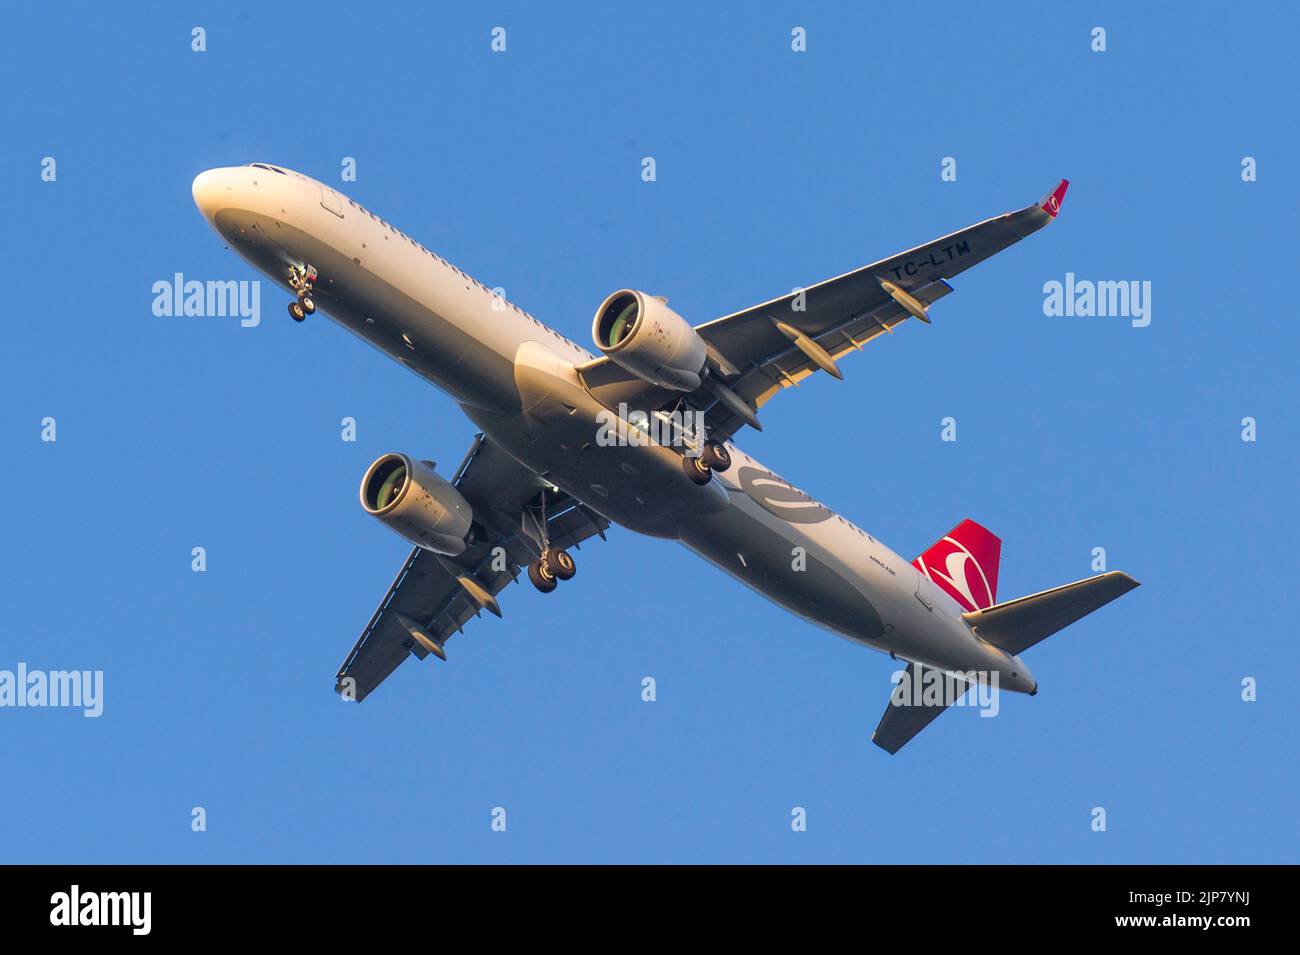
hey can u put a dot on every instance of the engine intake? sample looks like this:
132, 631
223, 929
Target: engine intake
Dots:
412, 499
649, 339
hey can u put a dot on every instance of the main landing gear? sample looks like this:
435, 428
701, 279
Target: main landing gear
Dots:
714, 456
553, 566
554, 563
301, 281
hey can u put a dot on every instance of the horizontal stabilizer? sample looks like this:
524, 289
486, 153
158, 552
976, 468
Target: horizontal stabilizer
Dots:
1017, 625
920, 696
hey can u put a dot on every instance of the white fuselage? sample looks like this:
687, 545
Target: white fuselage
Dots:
518, 381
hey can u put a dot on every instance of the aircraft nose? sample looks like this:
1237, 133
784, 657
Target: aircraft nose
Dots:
208, 189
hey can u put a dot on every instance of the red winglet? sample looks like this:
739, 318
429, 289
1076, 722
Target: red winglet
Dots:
1051, 203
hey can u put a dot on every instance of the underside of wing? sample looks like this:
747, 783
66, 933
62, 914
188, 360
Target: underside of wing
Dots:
755, 353
434, 596
788, 367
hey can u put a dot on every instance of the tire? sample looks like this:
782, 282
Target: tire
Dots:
697, 469
296, 312
307, 302
540, 578
716, 456
561, 564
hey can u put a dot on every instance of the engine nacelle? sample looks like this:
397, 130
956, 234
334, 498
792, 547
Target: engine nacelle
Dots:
649, 339
412, 499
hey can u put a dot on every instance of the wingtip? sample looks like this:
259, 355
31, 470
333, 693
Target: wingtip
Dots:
1125, 581
1051, 203
891, 752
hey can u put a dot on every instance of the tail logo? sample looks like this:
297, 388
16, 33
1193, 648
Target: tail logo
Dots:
964, 580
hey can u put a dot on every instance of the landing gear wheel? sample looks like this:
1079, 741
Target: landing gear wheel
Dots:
541, 576
301, 281
716, 456
561, 564
697, 469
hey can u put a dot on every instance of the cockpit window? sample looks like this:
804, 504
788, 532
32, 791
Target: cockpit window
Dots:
262, 165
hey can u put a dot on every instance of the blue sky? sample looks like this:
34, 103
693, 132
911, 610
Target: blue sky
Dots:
774, 169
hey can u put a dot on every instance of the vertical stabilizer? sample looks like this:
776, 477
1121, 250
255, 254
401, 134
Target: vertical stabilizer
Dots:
964, 564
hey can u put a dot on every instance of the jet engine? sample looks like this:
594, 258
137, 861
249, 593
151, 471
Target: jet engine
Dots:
649, 339
412, 499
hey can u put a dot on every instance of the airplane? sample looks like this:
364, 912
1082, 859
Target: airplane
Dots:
548, 471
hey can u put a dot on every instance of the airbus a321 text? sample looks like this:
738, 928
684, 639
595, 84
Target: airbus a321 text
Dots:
538, 480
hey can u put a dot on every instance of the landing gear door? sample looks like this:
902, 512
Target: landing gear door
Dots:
331, 200
924, 590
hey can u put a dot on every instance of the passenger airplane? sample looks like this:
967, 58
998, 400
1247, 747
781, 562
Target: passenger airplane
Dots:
538, 480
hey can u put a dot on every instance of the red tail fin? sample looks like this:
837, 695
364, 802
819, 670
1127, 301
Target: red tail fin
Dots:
964, 564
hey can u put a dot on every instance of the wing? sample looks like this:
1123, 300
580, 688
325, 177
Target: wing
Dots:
433, 596
757, 352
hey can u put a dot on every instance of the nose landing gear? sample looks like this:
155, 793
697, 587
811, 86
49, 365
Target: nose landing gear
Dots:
301, 281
